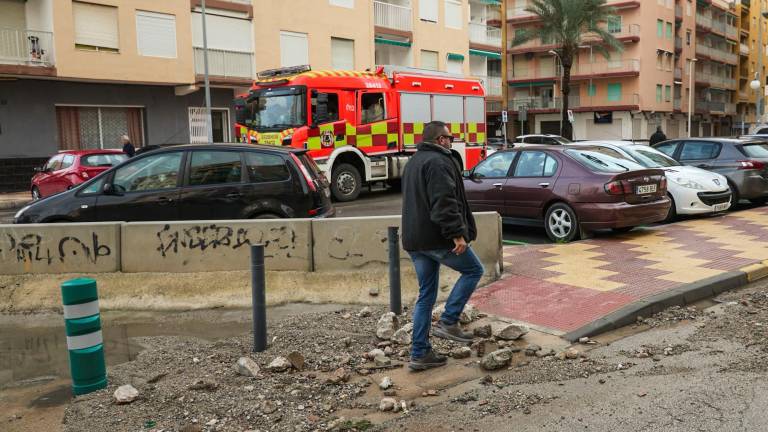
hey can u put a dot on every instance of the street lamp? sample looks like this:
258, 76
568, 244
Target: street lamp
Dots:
690, 93
755, 85
562, 102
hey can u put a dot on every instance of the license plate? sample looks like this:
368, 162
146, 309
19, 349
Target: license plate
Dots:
645, 189
721, 207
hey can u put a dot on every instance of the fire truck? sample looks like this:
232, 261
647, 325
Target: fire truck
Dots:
361, 127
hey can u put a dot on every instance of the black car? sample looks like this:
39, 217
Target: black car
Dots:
188, 182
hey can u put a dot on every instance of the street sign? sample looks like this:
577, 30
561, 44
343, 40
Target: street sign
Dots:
570, 116
504, 116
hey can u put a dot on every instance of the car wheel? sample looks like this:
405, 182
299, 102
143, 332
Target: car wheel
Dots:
672, 213
561, 223
36, 193
735, 196
345, 183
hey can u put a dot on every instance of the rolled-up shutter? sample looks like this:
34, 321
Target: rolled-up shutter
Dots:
95, 25
156, 34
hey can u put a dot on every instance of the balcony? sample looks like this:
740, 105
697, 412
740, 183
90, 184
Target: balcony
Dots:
678, 43
576, 103
492, 85
702, 50
732, 32
609, 68
678, 12
392, 16
26, 47
484, 34
744, 49
718, 81
225, 64
723, 56
678, 73
677, 104
703, 20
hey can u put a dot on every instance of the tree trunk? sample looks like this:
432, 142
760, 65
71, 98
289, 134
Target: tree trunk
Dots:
567, 129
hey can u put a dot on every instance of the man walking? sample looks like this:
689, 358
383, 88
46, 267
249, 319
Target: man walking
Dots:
657, 136
437, 229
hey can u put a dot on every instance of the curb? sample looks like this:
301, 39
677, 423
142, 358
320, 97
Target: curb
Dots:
14, 204
682, 295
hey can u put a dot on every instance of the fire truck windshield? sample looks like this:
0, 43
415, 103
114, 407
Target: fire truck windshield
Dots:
274, 109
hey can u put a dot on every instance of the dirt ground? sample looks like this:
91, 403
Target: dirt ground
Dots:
686, 369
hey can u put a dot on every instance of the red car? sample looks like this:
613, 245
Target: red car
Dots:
568, 189
69, 168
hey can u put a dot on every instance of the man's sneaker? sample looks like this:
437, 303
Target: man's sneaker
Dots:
452, 332
430, 360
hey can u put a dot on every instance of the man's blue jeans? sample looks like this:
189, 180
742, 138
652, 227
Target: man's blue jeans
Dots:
427, 264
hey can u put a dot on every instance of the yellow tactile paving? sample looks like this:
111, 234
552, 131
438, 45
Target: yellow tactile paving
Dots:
730, 238
579, 267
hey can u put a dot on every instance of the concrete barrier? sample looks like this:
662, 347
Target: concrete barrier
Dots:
60, 248
204, 246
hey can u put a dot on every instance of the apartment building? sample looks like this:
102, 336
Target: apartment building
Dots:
749, 48
79, 74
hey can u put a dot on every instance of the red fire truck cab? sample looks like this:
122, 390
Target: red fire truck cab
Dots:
361, 127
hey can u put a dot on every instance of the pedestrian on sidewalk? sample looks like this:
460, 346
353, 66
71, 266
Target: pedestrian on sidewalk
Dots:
657, 136
128, 148
438, 227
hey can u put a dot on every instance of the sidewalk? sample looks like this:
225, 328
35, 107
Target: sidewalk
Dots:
589, 287
14, 200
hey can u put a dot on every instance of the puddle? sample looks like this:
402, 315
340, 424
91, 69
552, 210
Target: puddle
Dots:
32, 346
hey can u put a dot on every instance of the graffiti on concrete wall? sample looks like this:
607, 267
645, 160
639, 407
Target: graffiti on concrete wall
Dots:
279, 241
348, 243
36, 248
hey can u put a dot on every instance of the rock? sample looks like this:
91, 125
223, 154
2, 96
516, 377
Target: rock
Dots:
385, 383
372, 354
468, 315
387, 404
584, 340
338, 376
572, 353
388, 351
347, 341
364, 312
561, 355
203, 385
642, 354
532, 349
601, 381
542, 353
383, 344
373, 291
268, 407
346, 316
247, 367
386, 326
431, 392
382, 360
390, 392
126, 394
461, 353
249, 388
279, 364
496, 359
512, 332
403, 335
657, 358
297, 360
212, 422
483, 331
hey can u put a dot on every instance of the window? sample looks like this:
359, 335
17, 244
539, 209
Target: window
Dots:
219, 30
215, 167
98, 127
342, 54
660, 28
614, 92
454, 65
658, 93
697, 150
343, 3
95, 27
614, 24
373, 108
332, 107
428, 10
54, 163
453, 14
156, 34
688, 37
534, 164
429, 60
668, 93
294, 49
496, 166
603, 160
670, 33
266, 167
591, 90
155, 172
667, 148
67, 161
102, 160
756, 150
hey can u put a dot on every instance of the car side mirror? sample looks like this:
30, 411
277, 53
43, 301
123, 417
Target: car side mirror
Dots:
467, 174
109, 189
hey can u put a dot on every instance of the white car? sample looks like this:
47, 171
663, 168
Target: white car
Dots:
693, 190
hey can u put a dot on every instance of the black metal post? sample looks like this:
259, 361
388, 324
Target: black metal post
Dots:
395, 300
258, 286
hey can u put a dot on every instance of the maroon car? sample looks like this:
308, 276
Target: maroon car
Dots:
568, 189
69, 168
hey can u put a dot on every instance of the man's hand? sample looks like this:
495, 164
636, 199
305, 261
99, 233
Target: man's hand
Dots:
461, 245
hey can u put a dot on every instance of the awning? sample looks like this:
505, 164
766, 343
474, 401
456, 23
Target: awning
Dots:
492, 2
385, 41
489, 54
532, 84
452, 56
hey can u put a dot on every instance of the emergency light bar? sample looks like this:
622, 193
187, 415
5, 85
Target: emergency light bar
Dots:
274, 73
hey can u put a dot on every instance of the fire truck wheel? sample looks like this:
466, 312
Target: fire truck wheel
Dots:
346, 182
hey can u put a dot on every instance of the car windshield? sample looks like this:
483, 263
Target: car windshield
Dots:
102, 160
651, 158
603, 160
274, 110
756, 150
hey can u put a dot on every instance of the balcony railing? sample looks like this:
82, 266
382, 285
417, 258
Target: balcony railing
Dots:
609, 67
678, 43
702, 49
26, 47
574, 102
714, 106
732, 32
223, 63
718, 26
678, 73
703, 20
492, 85
392, 16
678, 11
716, 80
723, 56
744, 49
677, 104
484, 34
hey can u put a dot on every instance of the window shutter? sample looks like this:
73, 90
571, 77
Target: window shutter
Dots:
429, 60
428, 10
294, 49
220, 30
453, 14
95, 25
455, 66
342, 54
156, 34
343, 3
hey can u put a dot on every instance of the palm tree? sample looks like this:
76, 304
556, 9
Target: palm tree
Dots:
568, 24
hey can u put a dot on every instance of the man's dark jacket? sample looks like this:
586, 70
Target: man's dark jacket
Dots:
435, 209
657, 137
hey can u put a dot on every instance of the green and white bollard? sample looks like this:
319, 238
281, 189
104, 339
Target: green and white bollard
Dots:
84, 340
